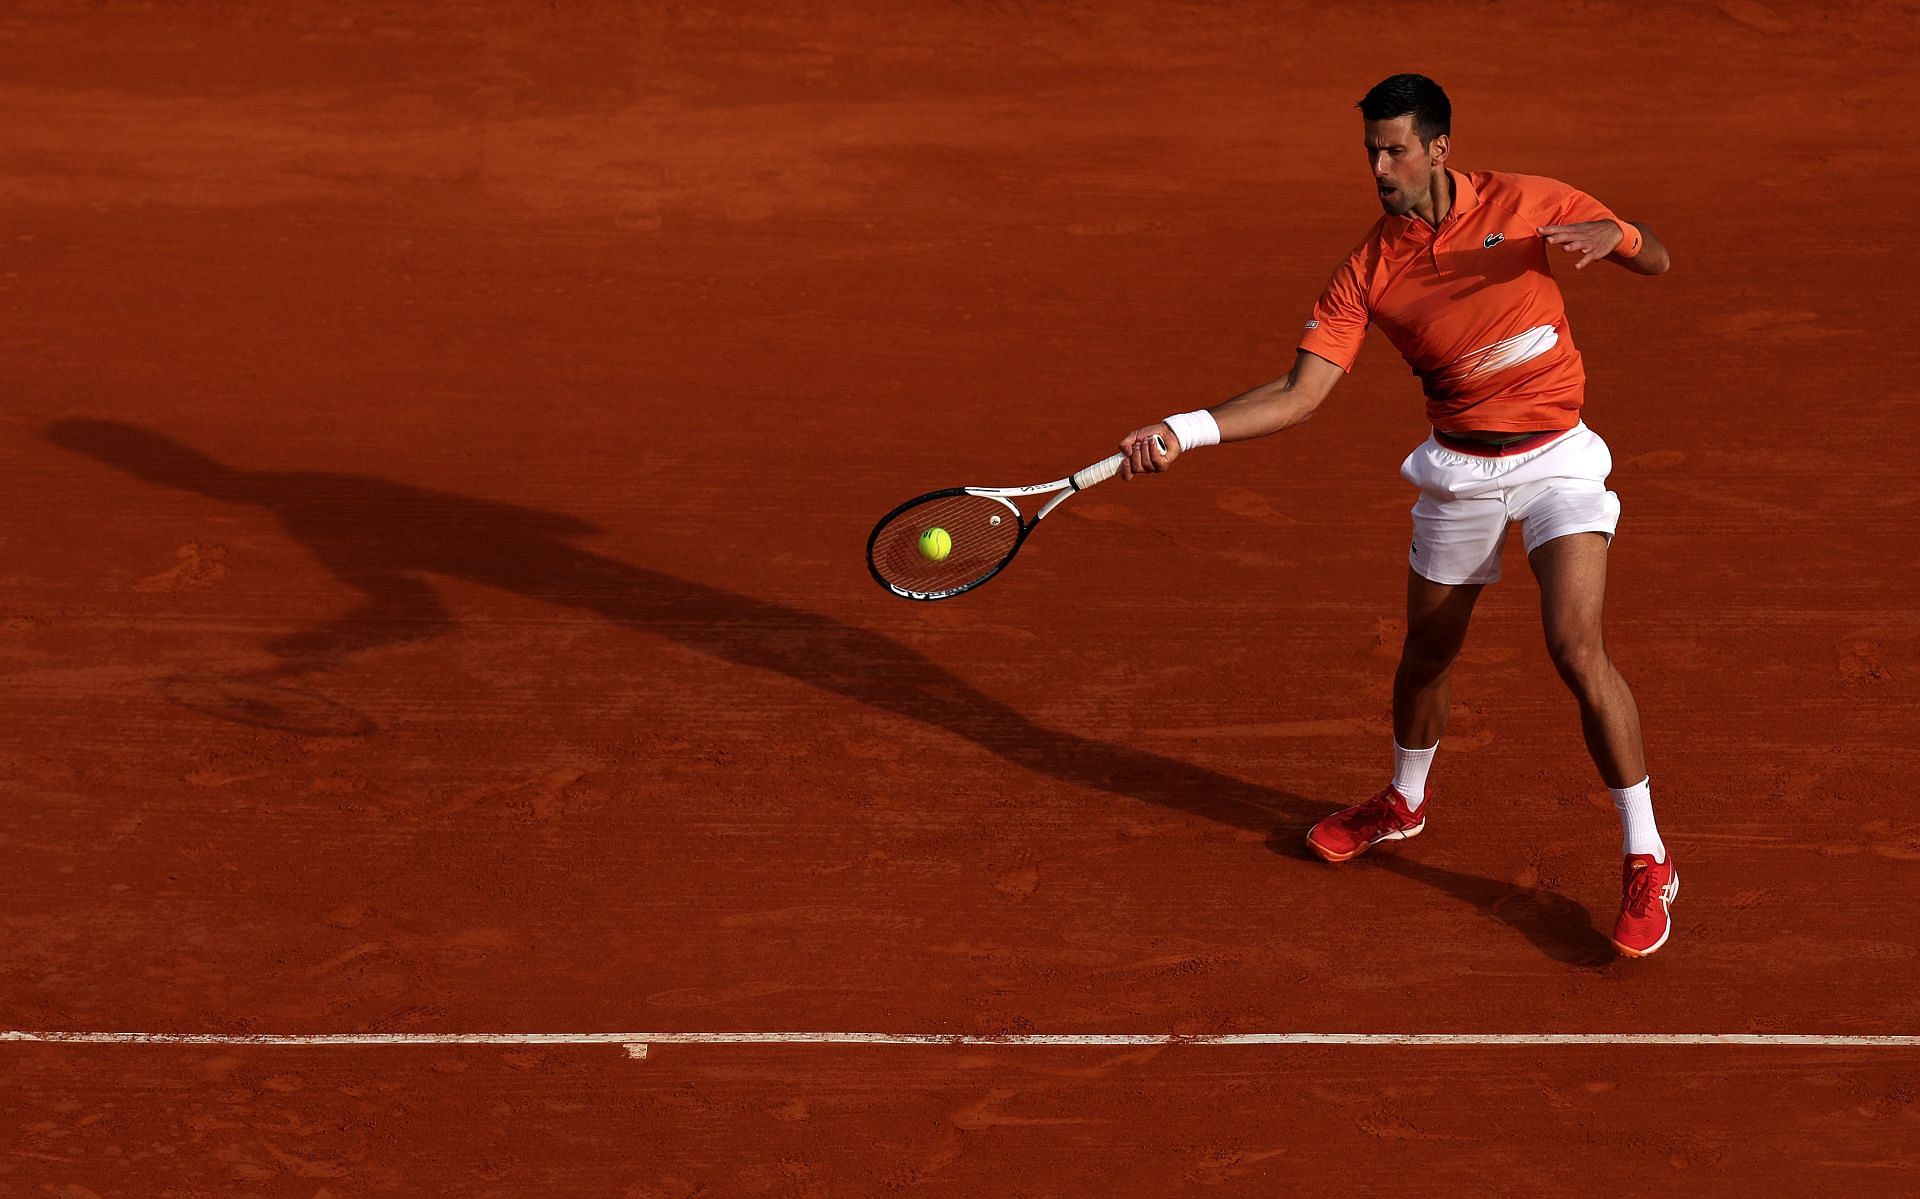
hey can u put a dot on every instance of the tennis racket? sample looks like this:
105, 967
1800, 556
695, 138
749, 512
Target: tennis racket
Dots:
985, 528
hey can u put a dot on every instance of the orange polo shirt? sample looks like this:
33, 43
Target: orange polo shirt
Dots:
1472, 306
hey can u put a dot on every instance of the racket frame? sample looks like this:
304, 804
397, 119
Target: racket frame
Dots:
1079, 481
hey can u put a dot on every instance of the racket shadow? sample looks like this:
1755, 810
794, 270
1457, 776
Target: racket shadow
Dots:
383, 538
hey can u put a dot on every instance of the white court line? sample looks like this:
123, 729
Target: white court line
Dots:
636, 1043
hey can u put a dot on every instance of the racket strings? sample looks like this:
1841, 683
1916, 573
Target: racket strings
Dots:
984, 533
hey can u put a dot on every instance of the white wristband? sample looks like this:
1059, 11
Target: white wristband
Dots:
1194, 429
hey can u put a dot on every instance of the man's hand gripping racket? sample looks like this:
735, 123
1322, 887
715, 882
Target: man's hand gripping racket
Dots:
946, 543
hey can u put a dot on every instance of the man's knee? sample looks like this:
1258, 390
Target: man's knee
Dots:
1424, 658
1581, 660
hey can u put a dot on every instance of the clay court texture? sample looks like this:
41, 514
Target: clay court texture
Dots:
439, 445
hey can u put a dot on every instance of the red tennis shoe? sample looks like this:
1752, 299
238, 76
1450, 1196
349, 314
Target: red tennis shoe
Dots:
1647, 891
1352, 831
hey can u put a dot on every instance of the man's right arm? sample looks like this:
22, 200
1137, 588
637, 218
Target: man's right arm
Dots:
1269, 408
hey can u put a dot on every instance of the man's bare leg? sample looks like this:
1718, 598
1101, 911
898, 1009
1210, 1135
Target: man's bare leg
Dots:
1573, 588
1437, 618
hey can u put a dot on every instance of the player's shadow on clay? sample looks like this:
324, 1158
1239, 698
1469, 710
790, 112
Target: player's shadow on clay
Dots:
386, 539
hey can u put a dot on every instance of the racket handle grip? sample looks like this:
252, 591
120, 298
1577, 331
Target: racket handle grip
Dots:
1106, 468
1099, 472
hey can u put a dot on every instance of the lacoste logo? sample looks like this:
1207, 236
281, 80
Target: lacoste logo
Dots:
1494, 239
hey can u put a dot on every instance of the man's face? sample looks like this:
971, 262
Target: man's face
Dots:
1404, 170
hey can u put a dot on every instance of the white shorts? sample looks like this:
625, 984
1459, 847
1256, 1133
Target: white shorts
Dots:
1468, 500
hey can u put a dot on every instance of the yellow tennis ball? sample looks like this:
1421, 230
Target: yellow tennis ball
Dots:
935, 545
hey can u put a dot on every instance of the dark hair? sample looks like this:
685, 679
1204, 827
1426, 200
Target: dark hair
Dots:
1410, 95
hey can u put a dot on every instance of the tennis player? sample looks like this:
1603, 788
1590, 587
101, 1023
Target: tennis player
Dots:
1456, 273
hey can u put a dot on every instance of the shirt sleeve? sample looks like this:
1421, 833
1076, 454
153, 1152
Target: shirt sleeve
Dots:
1339, 321
1572, 206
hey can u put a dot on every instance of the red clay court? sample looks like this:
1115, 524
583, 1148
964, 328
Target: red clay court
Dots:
439, 447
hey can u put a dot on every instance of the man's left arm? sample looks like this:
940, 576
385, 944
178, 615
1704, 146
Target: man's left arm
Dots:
1628, 243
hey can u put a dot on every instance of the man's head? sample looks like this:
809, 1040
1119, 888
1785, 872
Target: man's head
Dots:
1409, 125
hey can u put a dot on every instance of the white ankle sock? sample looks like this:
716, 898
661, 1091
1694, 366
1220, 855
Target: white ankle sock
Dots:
1636, 814
1410, 768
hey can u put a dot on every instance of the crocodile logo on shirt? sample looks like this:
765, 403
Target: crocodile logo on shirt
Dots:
1494, 239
